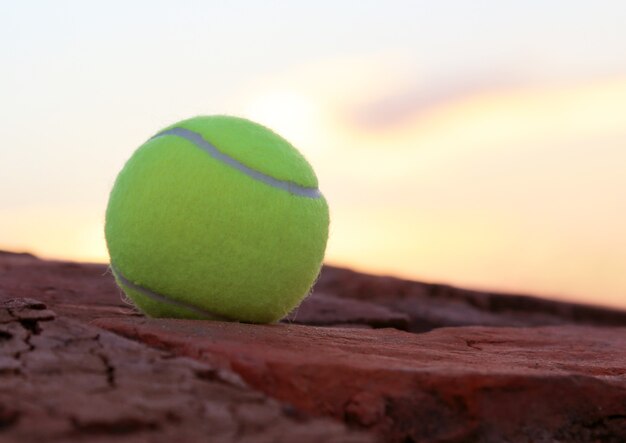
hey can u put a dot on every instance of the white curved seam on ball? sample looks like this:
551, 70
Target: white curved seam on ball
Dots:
164, 299
198, 140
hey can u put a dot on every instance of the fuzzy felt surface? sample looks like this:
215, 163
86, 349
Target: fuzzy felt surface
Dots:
255, 146
191, 228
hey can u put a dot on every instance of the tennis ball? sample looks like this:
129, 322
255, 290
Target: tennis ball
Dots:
216, 218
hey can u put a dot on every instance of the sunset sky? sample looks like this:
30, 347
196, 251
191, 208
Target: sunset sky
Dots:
481, 144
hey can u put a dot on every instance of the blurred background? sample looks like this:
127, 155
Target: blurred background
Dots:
481, 143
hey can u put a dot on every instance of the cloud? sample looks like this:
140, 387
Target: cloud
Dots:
499, 107
397, 106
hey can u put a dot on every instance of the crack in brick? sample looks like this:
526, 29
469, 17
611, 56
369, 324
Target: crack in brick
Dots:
108, 366
31, 325
27, 340
71, 390
472, 344
18, 310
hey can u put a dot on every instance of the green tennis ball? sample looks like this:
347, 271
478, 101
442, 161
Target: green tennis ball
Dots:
216, 217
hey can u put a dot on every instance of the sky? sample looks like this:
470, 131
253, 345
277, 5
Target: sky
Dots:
481, 144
